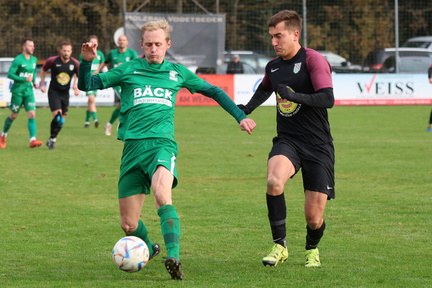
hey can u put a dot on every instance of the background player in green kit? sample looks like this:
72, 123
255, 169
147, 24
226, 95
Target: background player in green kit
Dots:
116, 57
149, 89
91, 95
23, 73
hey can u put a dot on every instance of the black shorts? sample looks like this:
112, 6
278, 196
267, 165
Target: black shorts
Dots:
58, 100
315, 161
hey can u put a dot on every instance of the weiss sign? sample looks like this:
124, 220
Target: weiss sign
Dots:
382, 89
358, 89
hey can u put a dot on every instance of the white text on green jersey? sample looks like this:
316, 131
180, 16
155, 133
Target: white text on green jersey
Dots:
148, 94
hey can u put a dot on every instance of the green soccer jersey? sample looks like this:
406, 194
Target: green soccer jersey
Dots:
148, 96
116, 58
20, 69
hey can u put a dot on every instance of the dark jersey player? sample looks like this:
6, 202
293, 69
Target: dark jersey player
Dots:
63, 68
303, 138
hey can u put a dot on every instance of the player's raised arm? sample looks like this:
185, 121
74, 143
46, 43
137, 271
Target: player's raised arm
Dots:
89, 51
86, 81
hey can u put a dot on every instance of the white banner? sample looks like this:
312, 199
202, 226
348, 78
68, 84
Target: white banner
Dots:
104, 97
357, 89
382, 89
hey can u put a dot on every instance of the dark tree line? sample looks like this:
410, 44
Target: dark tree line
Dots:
348, 27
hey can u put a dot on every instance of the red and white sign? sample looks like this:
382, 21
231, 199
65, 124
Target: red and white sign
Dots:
382, 89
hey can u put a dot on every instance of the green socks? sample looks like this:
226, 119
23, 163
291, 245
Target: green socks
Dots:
94, 115
7, 124
87, 118
170, 226
141, 232
115, 114
31, 124
91, 115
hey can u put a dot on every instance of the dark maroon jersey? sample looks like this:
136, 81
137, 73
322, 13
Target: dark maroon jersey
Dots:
305, 73
61, 73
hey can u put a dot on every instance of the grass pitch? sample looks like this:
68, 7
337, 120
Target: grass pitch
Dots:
60, 220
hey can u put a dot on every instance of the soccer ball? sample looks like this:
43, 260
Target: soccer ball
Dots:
130, 254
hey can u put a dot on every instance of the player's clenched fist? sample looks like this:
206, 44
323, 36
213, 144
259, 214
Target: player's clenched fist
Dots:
247, 125
89, 51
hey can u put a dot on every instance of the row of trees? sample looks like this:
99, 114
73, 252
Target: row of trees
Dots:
348, 27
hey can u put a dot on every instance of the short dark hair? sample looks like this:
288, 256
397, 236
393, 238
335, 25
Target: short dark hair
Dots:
24, 40
66, 42
293, 21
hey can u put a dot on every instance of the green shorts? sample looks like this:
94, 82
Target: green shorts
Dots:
20, 99
91, 92
139, 162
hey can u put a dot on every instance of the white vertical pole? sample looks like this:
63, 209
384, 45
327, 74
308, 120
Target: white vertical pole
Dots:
304, 24
396, 8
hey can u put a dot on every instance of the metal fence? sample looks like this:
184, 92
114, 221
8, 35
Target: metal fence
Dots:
350, 28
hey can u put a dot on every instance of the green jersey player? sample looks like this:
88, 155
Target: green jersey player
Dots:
116, 57
23, 73
149, 88
91, 95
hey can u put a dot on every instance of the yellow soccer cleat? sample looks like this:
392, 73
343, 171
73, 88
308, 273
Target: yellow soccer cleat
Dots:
312, 258
278, 254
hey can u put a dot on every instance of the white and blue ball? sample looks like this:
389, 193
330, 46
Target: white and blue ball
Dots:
130, 254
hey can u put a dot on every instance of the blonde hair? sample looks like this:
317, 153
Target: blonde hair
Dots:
155, 25
93, 37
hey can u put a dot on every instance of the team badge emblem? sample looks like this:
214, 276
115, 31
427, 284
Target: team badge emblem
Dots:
173, 75
297, 67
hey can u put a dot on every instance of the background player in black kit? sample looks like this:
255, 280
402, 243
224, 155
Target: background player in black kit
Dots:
303, 133
63, 68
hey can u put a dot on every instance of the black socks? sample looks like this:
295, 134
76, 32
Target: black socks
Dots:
277, 216
313, 237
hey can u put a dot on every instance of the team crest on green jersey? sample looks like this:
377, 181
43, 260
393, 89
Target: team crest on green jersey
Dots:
173, 75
